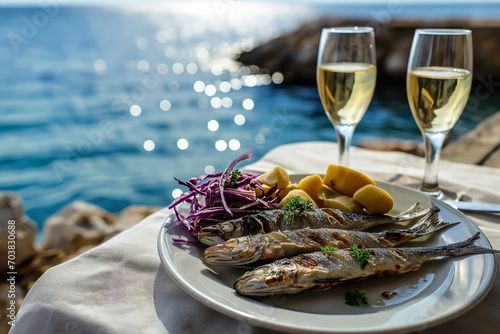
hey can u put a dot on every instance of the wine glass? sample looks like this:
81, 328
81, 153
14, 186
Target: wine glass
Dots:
438, 84
346, 74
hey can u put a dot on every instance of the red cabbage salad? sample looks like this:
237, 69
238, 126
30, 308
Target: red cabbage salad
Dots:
213, 198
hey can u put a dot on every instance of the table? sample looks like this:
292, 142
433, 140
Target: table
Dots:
121, 286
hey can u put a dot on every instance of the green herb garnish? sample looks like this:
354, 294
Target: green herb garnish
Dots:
356, 297
296, 204
329, 248
361, 255
235, 176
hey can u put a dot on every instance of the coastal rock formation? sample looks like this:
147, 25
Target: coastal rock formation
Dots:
22, 231
76, 225
295, 54
74, 229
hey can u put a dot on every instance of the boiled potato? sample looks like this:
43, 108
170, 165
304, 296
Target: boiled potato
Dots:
345, 180
283, 192
264, 191
375, 199
297, 192
344, 203
278, 176
325, 192
311, 184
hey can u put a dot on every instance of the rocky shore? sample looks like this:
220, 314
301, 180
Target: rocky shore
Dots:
295, 54
66, 234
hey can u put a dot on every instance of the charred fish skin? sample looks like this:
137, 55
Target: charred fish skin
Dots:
274, 220
278, 244
321, 270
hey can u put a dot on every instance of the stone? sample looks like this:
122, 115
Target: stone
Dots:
11, 210
76, 225
481, 146
130, 216
295, 54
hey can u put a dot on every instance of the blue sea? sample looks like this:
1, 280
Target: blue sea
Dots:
107, 104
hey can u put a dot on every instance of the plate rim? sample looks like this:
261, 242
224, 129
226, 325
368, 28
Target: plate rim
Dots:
484, 286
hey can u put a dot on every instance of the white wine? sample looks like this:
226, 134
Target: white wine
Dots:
437, 96
346, 90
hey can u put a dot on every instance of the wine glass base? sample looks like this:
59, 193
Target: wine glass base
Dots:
434, 192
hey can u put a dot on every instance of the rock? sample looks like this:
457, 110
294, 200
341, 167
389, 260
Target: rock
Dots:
295, 54
481, 146
130, 216
76, 225
11, 209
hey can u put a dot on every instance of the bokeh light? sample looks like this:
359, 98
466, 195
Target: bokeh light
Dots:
182, 144
210, 90
142, 43
149, 145
100, 67
248, 104
135, 110
209, 169
239, 119
213, 125
216, 102
177, 68
176, 192
220, 145
143, 65
165, 105
234, 144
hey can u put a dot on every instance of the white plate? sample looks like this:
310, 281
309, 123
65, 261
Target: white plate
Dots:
439, 291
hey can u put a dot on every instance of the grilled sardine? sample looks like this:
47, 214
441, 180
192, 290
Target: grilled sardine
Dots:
278, 244
320, 270
274, 220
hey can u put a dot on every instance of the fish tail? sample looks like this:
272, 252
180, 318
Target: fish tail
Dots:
429, 223
465, 247
415, 211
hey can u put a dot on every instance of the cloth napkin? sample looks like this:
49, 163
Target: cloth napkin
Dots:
121, 286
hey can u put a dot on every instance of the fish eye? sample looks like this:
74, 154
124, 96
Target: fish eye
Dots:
227, 227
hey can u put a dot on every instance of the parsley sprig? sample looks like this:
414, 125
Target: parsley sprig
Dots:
361, 255
235, 176
356, 297
329, 248
296, 204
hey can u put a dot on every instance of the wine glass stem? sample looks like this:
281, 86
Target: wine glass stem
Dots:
344, 138
433, 143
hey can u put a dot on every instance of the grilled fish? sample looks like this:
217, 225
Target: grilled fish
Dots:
320, 270
274, 220
278, 244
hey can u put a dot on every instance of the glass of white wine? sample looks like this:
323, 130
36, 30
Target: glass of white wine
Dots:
346, 74
438, 84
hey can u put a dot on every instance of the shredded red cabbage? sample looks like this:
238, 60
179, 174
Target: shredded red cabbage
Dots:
213, 198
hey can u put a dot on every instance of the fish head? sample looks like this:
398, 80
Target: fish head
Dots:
217, 234
236, 251
273, 278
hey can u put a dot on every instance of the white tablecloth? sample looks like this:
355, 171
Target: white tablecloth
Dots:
121, 286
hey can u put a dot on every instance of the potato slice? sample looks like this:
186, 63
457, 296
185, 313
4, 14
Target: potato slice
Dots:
345, 180
264, 191
344, 203
325, 192
294, 193
311, 184
283, 192
278, 176
375, 199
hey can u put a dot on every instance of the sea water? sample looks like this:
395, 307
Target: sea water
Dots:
107, 104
